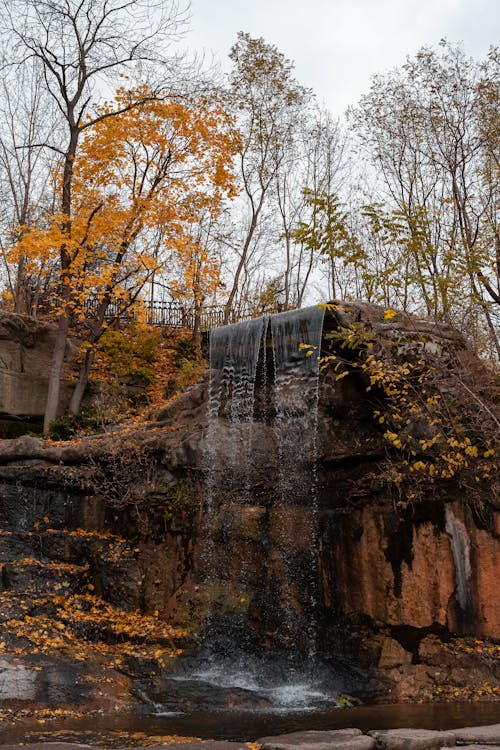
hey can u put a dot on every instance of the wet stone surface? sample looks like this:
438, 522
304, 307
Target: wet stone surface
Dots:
344, 739
413, 739
489, 735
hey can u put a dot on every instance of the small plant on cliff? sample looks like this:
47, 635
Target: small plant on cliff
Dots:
181, 499
69, 426
123, 474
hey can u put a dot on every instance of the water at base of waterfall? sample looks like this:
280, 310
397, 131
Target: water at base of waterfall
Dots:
247, 726
274, 683
250, 683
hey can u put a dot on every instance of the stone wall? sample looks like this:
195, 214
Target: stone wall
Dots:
26, 348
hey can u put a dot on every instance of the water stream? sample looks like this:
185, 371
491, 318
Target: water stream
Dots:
262, 418
296, 342
248, 726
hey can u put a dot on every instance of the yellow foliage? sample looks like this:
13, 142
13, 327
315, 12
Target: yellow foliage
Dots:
417, 417
142, 180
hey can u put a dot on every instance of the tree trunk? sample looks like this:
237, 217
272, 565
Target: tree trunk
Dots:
55, 375
20, 290
81, 385
54, 387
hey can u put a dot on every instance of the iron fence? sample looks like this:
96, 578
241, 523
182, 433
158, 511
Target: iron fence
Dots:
171, 314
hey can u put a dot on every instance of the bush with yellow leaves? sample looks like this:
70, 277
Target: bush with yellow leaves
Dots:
436, 409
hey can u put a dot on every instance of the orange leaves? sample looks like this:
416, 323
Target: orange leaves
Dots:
142, 178
85, 626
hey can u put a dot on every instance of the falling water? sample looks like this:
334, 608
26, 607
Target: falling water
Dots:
296, 338
262, 418
287, 596
234, 353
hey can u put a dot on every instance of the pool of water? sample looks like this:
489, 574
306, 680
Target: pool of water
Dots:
250, 725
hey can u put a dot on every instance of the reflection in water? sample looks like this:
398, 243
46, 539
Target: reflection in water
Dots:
232, 725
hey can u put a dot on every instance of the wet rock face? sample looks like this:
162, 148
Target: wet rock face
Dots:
401, 573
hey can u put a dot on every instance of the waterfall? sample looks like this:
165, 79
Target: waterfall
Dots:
234, 353
259, 568
239, 356
296, 340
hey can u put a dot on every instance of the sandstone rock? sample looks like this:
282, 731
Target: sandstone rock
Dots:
411, 680
26, 348
343, 739
17, 681
434, 652
16, 546
381, 565
393, 654
417, 586
486, 735
32, 576
413, 739
117, 575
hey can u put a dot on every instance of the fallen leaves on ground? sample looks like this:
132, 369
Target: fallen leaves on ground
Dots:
84, 626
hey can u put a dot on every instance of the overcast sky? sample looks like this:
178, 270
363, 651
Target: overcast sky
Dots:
338, 44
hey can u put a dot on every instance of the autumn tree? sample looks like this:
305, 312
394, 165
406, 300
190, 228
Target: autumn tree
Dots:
421, 128
79, 46
141, 181
197, 270
268, 103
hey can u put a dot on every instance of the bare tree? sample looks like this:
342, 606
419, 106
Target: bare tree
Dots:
26, 120
267, 101
420, 126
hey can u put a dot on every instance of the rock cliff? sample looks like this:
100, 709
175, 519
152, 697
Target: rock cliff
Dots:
26, 348
407, 571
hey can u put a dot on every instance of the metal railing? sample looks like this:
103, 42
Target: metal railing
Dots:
171, 314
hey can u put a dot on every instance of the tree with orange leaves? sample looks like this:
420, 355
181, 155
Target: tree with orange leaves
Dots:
79, 45
142, 180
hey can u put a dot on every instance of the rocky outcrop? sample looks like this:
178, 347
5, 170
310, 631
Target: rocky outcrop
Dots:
26, 348
400, 582
405, 571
